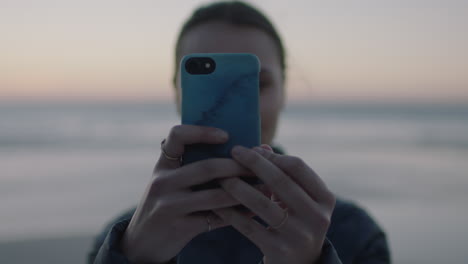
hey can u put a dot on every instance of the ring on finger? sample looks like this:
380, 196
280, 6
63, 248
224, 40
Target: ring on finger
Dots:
165, 153
208, 222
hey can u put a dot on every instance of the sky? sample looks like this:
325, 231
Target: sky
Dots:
338, 50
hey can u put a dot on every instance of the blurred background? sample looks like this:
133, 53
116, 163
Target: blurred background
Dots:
377, 105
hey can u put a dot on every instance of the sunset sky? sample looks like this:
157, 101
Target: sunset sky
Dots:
345, 50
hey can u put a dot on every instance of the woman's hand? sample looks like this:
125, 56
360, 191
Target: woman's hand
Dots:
309, 204
170, 214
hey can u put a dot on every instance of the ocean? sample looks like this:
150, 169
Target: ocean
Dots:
68, 168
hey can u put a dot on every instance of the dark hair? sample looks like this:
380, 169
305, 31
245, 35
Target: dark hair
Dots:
234, 13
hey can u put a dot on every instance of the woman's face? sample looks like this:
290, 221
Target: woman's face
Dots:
218, 37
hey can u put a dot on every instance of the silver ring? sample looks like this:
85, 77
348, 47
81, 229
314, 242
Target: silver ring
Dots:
165, 153
208, 222
283, 221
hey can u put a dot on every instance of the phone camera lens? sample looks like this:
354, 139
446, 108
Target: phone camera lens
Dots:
192, 65
200, 65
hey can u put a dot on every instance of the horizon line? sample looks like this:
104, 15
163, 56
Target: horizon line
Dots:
170, 100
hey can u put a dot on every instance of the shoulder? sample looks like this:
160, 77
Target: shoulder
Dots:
350, 219
353, 231
101, 237
126, 215
348, 212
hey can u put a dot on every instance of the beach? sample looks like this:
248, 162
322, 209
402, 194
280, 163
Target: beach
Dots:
68, 169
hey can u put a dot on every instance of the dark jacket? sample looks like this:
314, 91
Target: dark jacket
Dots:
353, 237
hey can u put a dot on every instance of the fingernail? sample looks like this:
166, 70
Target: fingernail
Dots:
237, 150
267, 147
221, 134
259, 150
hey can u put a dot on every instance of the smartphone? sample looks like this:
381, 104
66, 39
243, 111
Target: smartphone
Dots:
221, 90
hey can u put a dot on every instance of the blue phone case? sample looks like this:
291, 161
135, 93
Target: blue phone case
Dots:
227, 98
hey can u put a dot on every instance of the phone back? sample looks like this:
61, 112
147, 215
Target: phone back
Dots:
227, 98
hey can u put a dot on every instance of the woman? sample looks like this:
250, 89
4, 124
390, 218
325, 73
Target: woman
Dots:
295, 218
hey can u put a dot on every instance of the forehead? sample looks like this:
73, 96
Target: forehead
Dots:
219, 37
